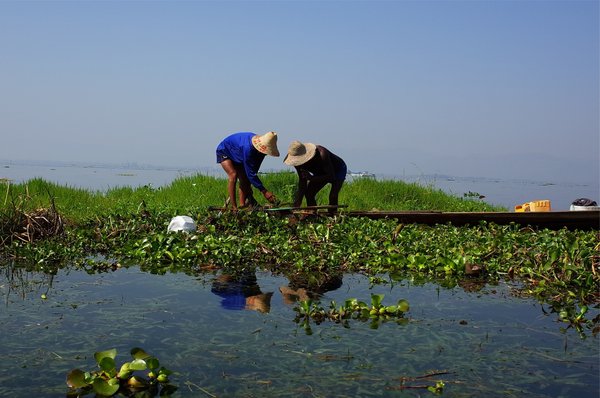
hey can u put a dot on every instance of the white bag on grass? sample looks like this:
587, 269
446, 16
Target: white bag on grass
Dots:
182, 223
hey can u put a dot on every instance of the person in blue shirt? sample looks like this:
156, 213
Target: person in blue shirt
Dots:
241, 155
316, 166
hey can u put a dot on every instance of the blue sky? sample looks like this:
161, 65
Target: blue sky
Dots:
506, 89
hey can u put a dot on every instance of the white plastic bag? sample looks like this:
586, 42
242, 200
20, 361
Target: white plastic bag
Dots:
182, 223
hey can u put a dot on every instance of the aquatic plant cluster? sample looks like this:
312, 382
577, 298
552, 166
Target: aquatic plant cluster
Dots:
560, 267
309, 310
109, 379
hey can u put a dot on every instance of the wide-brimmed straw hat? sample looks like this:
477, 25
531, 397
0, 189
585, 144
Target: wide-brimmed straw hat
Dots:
266, 143
299, 153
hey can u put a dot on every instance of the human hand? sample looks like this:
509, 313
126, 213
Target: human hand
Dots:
270, 197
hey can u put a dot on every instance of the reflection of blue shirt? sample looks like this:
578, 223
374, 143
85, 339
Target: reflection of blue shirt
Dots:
238, 147
233, 301
232, 294
234, 290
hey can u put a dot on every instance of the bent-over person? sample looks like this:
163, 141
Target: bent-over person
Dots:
316, 166
241, 155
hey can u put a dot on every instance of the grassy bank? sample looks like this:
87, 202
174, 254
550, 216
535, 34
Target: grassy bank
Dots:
190, 195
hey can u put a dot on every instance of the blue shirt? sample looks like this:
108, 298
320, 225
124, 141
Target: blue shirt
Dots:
238, 147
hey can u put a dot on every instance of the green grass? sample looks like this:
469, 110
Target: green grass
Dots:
191, 194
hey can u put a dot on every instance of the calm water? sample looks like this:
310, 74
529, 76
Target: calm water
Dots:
483, 343
507, 193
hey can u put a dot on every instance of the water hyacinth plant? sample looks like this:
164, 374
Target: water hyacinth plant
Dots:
127, 380
309, 310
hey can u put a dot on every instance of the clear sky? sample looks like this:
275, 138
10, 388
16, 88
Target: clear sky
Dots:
506, 89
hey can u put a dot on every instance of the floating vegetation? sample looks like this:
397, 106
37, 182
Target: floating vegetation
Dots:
559, 267
308, 311
108, 381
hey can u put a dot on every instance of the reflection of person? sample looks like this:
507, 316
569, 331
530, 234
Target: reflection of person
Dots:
291, 295
316, 167
241, 155
301, 290
241, 292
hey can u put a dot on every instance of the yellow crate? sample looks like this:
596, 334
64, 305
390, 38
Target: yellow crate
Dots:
536, 205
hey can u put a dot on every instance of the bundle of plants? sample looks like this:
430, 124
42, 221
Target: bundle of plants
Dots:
30, 226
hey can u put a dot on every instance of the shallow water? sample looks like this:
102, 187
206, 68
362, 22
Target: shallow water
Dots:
481, 343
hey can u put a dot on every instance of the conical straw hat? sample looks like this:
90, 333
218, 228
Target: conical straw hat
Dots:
266, 143
299, 153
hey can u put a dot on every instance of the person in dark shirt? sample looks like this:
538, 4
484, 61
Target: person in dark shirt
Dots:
316, 167
241, 155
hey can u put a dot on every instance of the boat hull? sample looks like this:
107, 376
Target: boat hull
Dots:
584, 220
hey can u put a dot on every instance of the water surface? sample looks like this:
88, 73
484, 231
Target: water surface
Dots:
479, 343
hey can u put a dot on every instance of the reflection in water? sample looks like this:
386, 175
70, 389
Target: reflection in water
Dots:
240, 292
300, 289
17, 281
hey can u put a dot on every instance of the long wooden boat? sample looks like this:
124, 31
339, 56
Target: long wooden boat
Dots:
584, 220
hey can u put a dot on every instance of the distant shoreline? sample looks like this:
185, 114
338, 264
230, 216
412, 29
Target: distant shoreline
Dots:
217, 171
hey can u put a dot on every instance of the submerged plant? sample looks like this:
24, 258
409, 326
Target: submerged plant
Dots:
308, 310
438, 389
108, 381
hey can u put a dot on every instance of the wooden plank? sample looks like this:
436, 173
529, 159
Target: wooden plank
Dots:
282, 209
305, 208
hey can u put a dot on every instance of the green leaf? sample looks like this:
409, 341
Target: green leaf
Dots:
125, 371
403, 305
376, 300
107, 364
138, 364
164, 371
76, 378
98, 356
351, 302
152, 363
138, 353
104, 388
